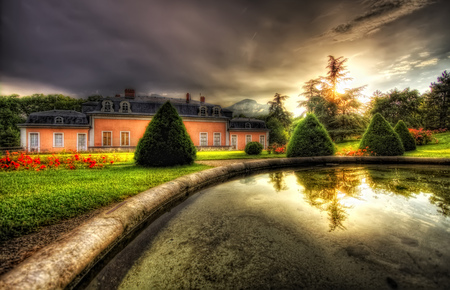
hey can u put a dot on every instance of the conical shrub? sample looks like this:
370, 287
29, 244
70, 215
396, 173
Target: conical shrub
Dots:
165, 141
408, 141
381, 138
310, 138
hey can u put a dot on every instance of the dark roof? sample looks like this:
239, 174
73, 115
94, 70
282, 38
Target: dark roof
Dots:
149, 105
247, 123
69, 117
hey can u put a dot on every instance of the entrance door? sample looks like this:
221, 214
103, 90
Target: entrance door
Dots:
34, 142
82, 142
234, 142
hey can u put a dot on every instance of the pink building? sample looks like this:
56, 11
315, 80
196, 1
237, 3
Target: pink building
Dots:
119, 122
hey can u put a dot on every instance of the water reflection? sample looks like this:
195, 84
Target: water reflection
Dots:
277, 179
330, 189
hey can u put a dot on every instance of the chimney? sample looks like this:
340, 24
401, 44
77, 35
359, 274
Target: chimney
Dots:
188, 97
117, 96
129, 93
202, 99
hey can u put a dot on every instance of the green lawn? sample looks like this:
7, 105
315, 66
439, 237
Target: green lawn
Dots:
441, 149
30, 199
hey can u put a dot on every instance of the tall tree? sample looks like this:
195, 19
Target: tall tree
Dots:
337, 72
437, 103
278, 111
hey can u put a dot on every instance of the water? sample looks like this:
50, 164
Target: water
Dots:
353, 227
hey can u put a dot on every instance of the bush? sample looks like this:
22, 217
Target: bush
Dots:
253, 148
408, 141
310, 138
381, 138
165, 141
421, 136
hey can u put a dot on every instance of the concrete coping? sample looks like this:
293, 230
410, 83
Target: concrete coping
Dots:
64, 263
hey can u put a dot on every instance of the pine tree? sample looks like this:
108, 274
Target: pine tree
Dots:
310, 138
381, 138
165, 141
407, 139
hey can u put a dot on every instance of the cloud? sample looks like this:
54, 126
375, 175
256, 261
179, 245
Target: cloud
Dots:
378, 13
432, 61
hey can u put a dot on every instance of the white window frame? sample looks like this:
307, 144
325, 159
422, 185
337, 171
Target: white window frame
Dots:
214, 139
128, 110
200, 111
111, 109
85, 145
246, 137
237, 142
263, 136
200, 138
54, 139
104, 138
39, 141
218, 114
248, 125
129, 139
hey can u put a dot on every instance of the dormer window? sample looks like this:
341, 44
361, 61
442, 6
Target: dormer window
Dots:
107, 106
248, 125
203, 111
59, 120
216, 111
125, 107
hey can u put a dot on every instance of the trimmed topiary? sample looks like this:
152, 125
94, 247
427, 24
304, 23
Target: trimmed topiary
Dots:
381, 138
253, 148
165, 141
310, 138
408, 141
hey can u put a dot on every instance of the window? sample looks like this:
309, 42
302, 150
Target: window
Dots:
203, 111
58, 139
203, 139
124, 138
82, 142
248, 125
107, 106
262, 140
216, 112
107, 139
33, 140
125, 107
248, 139
59, 120
216, 139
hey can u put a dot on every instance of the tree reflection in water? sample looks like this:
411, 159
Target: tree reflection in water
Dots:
277, 181
325, 189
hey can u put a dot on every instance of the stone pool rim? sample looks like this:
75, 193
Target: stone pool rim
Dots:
63, 263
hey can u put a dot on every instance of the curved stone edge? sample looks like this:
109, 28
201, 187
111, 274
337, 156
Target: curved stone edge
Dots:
57, 265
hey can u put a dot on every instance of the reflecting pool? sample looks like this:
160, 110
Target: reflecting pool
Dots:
371, 227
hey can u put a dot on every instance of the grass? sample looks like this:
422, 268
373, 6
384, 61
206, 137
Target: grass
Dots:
223, 155
441, 149
30, 200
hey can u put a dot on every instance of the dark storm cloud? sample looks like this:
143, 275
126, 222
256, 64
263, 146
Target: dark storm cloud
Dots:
227, 50
377, 14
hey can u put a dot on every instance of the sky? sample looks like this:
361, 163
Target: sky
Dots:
225, 50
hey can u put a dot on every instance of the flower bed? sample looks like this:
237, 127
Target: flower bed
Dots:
22, 161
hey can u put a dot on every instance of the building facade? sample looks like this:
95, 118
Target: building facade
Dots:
117, 123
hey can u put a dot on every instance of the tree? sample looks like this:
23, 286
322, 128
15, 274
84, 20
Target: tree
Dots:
277, 133
381, 138
165, 141
340, 113
398, 105
408, 141
437, 103
278, 111
10, 115
310, 138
